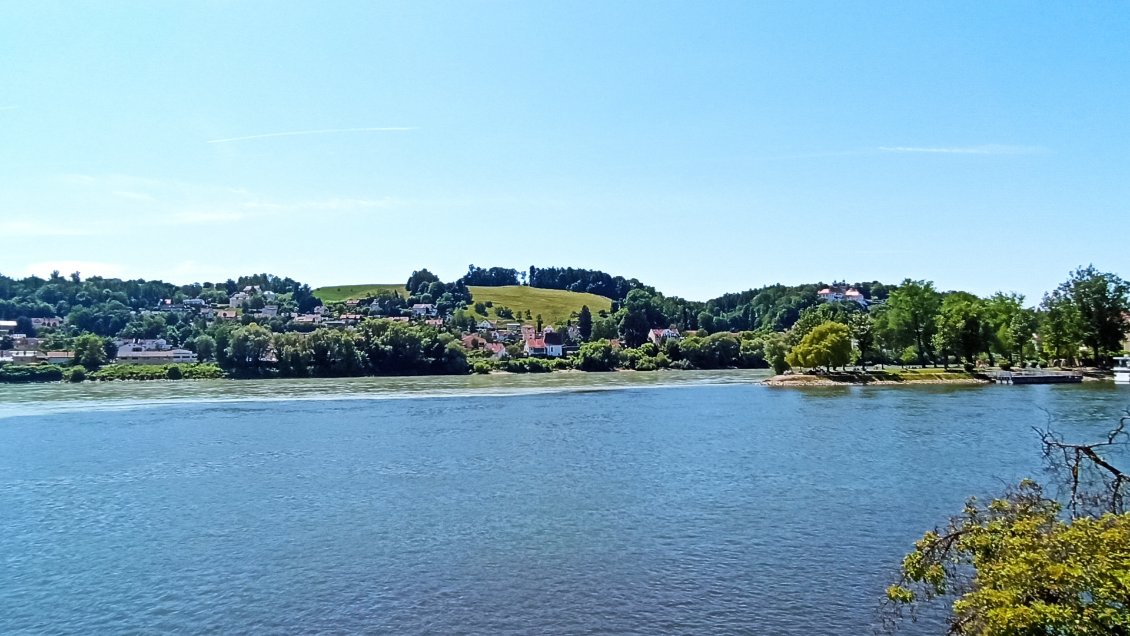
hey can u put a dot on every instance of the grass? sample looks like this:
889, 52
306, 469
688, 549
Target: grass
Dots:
340, 293
554, 305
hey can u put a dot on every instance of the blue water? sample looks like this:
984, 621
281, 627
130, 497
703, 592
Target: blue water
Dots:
696, 509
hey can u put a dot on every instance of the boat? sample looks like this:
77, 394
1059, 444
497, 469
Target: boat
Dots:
1122, 370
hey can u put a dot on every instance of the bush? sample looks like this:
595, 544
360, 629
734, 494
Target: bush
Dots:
969, 367
1005, 365
77, 374
173, 372
36, 373
482, 366
560, 364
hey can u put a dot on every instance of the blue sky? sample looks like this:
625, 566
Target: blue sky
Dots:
701, 147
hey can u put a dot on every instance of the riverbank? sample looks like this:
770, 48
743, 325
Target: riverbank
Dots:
879, 377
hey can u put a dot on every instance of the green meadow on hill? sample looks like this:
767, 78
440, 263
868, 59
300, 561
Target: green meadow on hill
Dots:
554, 305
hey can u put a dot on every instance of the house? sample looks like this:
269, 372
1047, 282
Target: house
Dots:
473, 341
528, 332
423, 309
156, 357
657, 336
40, 323
270, 311
434, 322
194, 302
7, 326
350, 319
485, 325
320, 309
855, 296
307, 319
60, 357
497, 350
836, 293
550, 345
227, 314
26, 357
237, 299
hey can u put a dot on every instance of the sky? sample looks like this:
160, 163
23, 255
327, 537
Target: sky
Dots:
702, 147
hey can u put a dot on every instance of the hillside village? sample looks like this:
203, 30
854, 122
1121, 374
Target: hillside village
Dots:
268, 325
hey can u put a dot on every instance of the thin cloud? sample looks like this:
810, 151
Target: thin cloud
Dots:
27, 229
3, 108
324, 131
985, 149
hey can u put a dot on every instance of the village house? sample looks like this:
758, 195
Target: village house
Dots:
657, 336
434, 322
237, 299
50, 323
423, 309
485, 325
550, 345
227, 314
270, 311
7, 326
60, 357
170, 356
836, 293
497, 350
25, 357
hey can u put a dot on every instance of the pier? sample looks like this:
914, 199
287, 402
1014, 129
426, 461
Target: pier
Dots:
1037, 376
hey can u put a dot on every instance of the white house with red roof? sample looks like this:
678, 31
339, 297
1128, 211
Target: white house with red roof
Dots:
836, 293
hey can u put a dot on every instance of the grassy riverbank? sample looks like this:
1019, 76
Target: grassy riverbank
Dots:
880, 376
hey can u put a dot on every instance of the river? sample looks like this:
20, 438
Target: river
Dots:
625, 503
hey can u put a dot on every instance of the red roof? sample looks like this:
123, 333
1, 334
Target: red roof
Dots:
536, 343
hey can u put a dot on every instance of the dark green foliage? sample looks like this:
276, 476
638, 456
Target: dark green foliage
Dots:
584, 323
36, 373
597, 356
493, 277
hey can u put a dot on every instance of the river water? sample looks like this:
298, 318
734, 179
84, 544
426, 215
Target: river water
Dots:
627, 503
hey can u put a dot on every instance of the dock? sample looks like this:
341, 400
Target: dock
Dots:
1037, 376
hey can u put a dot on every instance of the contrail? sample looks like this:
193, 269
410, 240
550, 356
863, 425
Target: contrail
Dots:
325, 131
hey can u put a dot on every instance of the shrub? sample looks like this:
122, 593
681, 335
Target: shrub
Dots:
77, 374
1005, 365
173, 372
36, 373
482, 366
969, 367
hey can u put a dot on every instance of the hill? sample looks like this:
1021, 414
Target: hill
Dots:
338, 293
553, 304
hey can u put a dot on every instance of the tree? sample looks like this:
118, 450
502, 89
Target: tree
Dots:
634, 328
90, 351
1027, 564
828, 345
584, 323
420, 278
912, 309
597, 355
1061, 328
249, 345
539, 324
205, 347
863, 333
960, 328
776, 347
1103, 301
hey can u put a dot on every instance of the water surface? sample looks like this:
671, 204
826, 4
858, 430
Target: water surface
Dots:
716, 506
